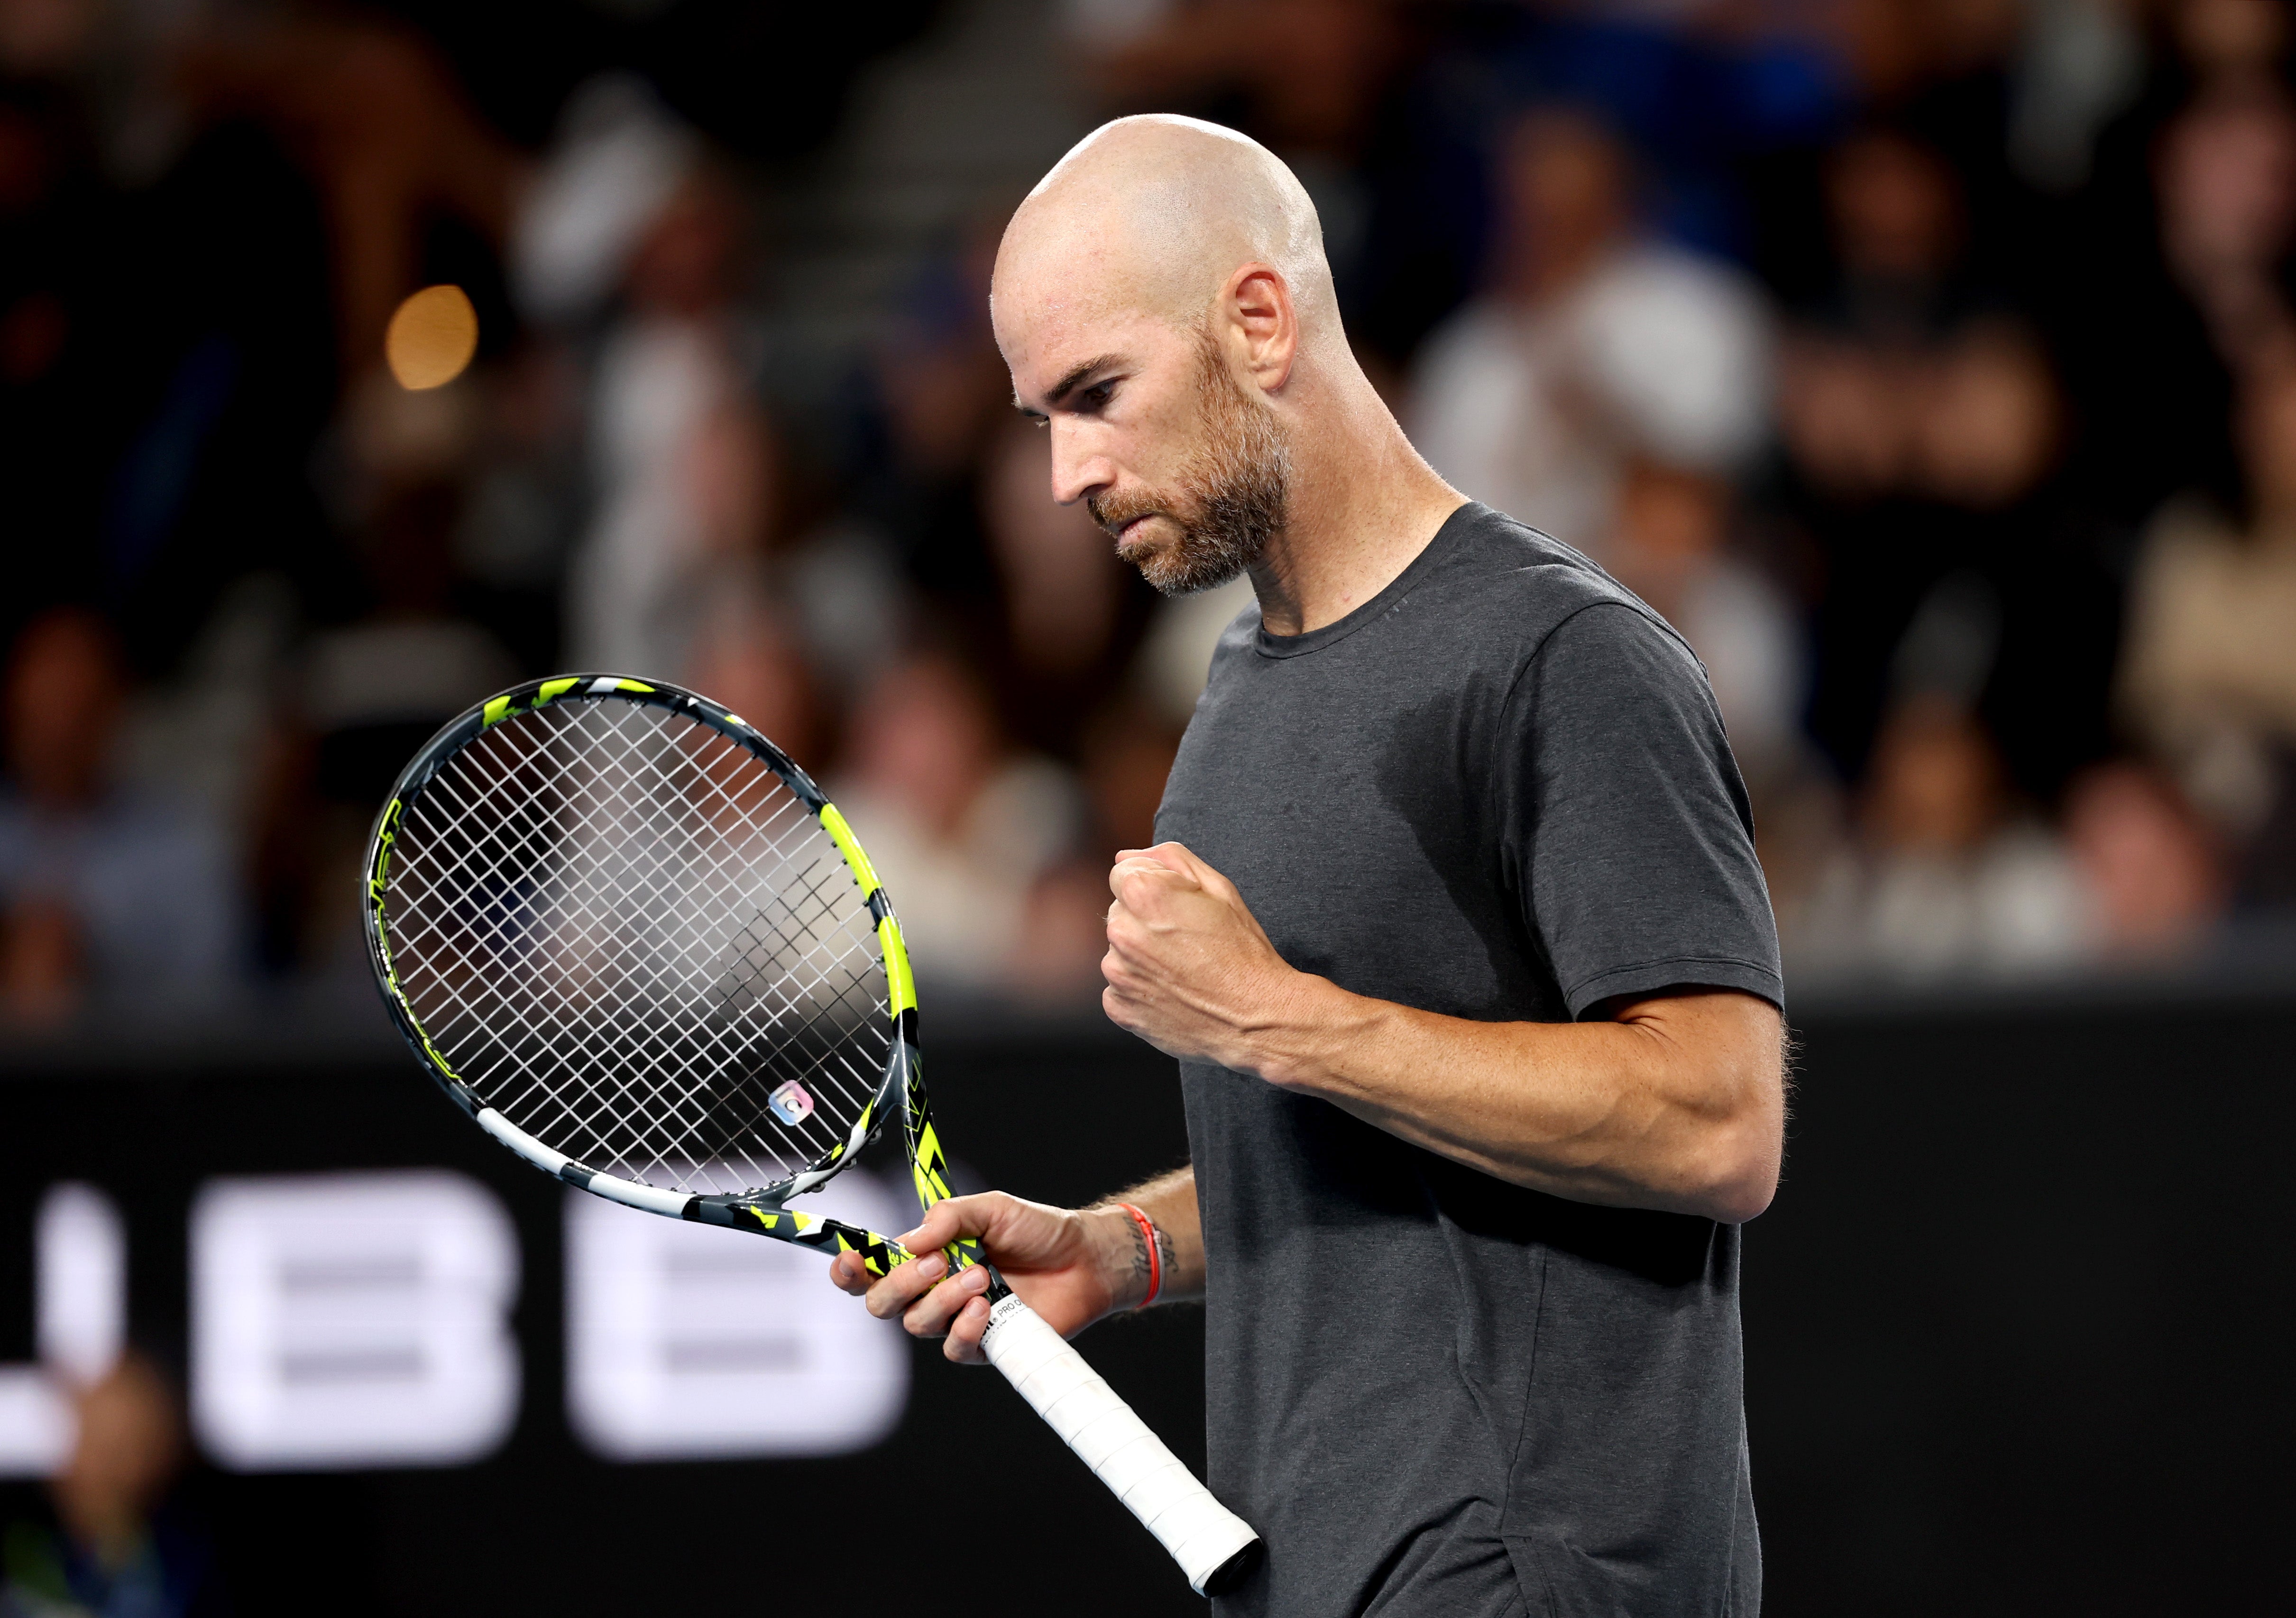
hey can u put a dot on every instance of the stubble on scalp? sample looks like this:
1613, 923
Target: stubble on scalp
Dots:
1228, 499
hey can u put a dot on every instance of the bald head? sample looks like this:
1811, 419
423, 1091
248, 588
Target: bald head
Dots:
1154, 214
1164, 304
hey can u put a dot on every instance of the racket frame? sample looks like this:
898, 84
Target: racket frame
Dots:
900, 1088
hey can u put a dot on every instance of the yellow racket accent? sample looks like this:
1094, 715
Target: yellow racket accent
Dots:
848, 844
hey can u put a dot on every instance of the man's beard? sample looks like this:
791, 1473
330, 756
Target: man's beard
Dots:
1228, 498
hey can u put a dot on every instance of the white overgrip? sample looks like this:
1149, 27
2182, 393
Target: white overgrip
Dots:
1203, 1535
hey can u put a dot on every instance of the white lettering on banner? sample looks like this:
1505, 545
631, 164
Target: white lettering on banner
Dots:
354, 1320
688, 1340
82, 1284
79, 1322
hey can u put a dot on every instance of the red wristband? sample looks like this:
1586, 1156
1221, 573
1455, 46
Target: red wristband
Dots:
1155, 1257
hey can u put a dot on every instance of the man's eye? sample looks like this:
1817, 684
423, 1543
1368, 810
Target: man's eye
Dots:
1096, 396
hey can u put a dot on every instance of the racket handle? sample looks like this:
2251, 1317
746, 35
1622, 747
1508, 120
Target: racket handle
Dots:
1205, 1537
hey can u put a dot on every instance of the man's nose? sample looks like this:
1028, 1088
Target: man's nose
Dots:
1078, 467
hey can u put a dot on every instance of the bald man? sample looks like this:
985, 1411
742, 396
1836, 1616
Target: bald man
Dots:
1456, 930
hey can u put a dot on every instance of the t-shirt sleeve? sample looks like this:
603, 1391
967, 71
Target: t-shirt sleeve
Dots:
1627, 835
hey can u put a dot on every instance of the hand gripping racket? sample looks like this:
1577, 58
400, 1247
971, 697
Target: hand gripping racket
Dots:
634, 943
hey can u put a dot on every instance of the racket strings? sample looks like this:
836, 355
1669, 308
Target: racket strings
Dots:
648, 884
558, 1027
627, 934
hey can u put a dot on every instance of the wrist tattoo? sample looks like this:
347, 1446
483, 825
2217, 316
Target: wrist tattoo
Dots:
1152, 1253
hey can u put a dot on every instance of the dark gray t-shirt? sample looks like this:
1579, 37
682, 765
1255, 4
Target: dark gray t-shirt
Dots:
1498, 790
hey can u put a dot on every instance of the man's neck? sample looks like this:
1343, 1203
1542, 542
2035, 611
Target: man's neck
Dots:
1361, 507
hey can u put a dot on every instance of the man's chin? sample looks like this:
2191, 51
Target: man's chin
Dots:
1175, 567
1163, 563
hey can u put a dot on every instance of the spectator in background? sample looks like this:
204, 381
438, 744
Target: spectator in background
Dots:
1989, 445
631, 229
1850, 360
927, 400
2183, 277
1592, 344
114, 1549
938, 398
1947, 879
684, 459
2209, 675
2227, 182
1900, 236
107, 900
1962, 104
934, 793
1925, 440
369, 692
1855, 359
2148, 864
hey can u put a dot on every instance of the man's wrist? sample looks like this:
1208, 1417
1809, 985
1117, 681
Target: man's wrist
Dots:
1137, 1257
1310, 1021
1116, 1245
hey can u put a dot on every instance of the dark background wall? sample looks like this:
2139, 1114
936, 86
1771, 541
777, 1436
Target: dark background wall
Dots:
2016, 1336
2017, 1325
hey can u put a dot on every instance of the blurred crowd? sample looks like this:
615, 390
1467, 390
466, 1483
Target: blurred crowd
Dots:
1931, 365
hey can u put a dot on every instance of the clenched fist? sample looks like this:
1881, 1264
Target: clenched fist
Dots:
1188, 968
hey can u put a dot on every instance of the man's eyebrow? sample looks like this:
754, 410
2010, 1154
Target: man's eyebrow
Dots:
1068, 384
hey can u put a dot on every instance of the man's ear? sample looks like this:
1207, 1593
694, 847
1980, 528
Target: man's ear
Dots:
1256, 304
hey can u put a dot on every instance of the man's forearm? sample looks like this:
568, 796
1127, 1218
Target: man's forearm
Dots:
1678, 1104
1169, 1202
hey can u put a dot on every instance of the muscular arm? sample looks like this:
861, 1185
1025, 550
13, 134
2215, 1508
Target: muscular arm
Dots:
1677, 1103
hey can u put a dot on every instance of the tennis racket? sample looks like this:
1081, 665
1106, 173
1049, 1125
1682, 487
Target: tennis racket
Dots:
636, 946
